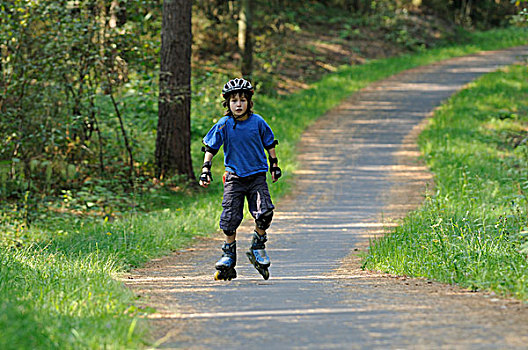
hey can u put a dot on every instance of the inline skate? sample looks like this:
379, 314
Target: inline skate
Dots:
257, 254
226, 265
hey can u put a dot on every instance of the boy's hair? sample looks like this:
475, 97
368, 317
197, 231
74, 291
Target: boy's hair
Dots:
248, 97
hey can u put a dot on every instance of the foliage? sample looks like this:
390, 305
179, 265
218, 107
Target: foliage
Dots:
521, 19
473, 230
278, 23
485, 14
60, 60
57, 276
78, 87
67, 69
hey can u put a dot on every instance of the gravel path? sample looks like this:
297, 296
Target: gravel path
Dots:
359, 174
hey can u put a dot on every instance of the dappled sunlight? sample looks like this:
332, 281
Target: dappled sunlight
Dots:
466, 69
268, 313
360, 175
421, 86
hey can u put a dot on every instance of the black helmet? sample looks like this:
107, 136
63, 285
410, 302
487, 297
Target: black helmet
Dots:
237, 84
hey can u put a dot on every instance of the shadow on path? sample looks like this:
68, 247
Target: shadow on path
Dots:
359, 175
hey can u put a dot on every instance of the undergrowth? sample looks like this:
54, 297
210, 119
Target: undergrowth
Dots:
58, 276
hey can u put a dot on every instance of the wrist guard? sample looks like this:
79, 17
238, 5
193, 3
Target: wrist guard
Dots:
276, 171
274, 168
206, 176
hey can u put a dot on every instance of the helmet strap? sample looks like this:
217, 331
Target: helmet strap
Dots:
237, 119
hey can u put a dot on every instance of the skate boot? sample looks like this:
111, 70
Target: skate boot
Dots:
258, 256
226, 265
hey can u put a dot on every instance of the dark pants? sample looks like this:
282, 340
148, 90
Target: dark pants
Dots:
254, 188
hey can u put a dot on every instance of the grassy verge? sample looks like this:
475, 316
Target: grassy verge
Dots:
473, 231
61, 291
51, 300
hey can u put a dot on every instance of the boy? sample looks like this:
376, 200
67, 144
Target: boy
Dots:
244, 135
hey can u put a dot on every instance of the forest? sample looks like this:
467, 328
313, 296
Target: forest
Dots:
83, 193
79, 88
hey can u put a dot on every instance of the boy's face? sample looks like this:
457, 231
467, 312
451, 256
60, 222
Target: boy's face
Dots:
238, 104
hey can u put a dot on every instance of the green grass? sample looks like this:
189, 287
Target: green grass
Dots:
61, 290
473, 230
52, 300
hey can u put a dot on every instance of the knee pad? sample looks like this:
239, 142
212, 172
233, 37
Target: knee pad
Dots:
264, 220
229, 232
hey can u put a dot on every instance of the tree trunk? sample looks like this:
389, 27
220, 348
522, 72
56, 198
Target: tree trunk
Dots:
114, 6
102, 28
468, 9
118, 14
245, 42
173, 143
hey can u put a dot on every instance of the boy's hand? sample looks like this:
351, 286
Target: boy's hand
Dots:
276, 173
206, 177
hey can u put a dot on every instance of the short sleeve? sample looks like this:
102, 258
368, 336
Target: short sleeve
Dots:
268, 138
215, 138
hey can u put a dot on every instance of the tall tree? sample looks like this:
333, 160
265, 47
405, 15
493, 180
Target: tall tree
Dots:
245, 42
173, 143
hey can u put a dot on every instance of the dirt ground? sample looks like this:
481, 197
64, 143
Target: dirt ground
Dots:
291, 57
432, 297
336, 304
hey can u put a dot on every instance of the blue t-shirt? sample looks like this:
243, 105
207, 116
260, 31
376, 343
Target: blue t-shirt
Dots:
244, 145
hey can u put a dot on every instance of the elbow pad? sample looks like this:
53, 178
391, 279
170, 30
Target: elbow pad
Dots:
272, 145
210, 150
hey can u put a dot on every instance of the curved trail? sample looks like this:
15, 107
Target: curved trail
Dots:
359, 173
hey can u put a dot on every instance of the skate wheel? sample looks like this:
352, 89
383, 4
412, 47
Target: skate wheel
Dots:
217, 276
226, 275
